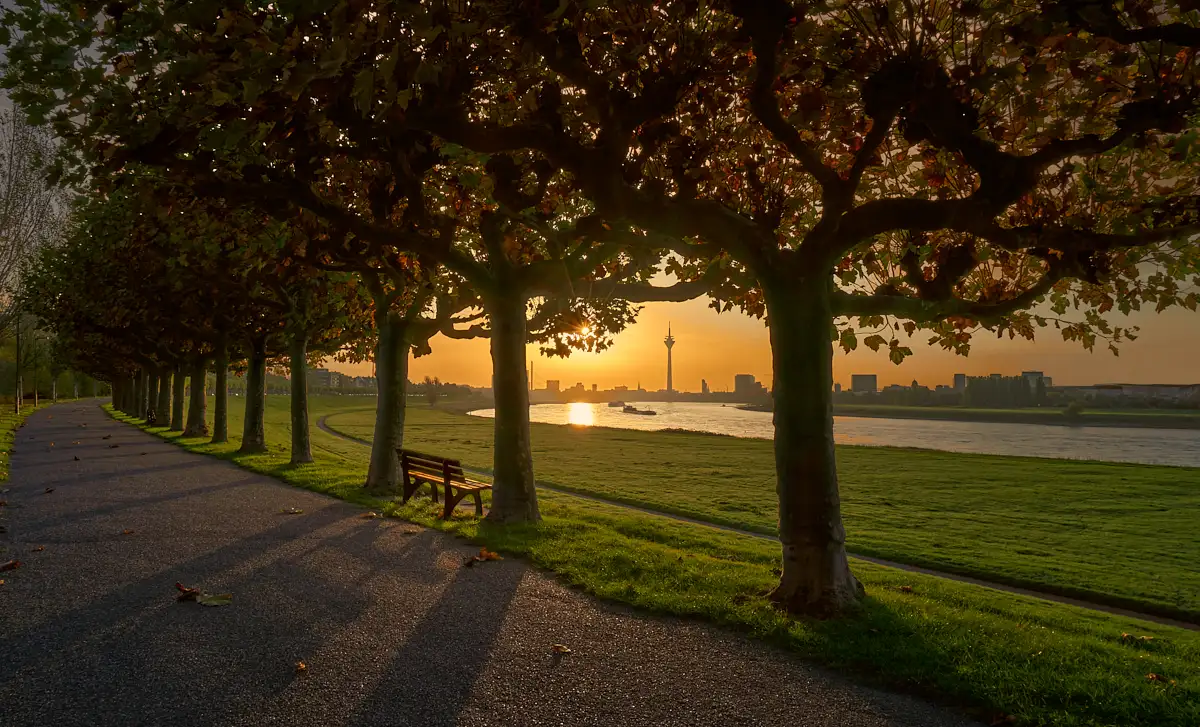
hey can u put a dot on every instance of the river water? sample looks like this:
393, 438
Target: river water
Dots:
1113, 444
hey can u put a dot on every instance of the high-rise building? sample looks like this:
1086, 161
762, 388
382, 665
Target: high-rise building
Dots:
553, 385
864, 383
745, 386
670, 343
960, 382
704, 386
593, 388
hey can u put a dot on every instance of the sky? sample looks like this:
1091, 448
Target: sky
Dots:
716, 346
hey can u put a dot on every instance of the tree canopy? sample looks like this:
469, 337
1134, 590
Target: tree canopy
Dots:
847, 170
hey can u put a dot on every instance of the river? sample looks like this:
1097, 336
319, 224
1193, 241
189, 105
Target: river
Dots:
1113, 444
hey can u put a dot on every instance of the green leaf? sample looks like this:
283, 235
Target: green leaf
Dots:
209, 599
364, 89
848, 340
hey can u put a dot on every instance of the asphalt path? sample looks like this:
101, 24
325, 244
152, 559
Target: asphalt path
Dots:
391, 628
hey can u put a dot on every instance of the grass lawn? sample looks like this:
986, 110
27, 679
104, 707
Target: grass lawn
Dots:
993, 653
1120, 533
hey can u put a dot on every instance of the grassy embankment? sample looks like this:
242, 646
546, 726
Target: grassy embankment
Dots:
1146, 418
1116, 533
993, 653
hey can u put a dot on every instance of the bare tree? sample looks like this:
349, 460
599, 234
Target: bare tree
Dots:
30, 213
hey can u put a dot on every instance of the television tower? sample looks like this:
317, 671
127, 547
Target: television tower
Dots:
670, 342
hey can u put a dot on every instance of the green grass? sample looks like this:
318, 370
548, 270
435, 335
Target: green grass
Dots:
1122, 534
1150, 418
989, 652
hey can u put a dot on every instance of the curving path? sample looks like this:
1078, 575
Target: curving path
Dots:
392, 629
1092, 605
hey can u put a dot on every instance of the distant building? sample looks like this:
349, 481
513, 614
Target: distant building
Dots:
745, 385
837, 388
553, 385
324, 378
960, 382
864, 383
620, 388
704, 386
1032, 378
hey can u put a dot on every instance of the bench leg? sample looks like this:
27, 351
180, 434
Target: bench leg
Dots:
452, 500
478, 504
410, 486
433, 492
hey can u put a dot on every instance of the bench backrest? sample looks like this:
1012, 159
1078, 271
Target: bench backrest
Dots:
432, 464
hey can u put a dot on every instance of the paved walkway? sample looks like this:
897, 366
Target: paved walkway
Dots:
392, 629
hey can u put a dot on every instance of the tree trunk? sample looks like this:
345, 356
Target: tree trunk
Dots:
197, 402
142, 393
20, 385
178, 385
152, 397
54, 390
816, 578
301, 444
391, 372
162, 406
221, 395
514, 495
254, 436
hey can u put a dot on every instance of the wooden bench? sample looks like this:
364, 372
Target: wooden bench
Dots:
418, 469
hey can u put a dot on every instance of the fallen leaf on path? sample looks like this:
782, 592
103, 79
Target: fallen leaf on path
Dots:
291, 511
1, 581
186, 593
369, 515
143, 454
10, 565
484, 555
49, 490
904, 589
52, 444
301, 667
223, 599
38, 549
74, 442
76, 458
107, 436
560, 649
126, 532
113, 446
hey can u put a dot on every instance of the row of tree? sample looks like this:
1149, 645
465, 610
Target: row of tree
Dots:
286, 178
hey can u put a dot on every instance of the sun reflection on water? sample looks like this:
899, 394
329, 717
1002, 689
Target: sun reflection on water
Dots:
580, 414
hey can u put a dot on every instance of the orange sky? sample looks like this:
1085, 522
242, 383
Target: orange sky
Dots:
717, 346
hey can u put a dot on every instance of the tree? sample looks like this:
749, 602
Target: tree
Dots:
30, 212
947, 165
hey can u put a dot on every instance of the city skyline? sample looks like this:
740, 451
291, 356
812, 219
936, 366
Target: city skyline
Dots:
717, 347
